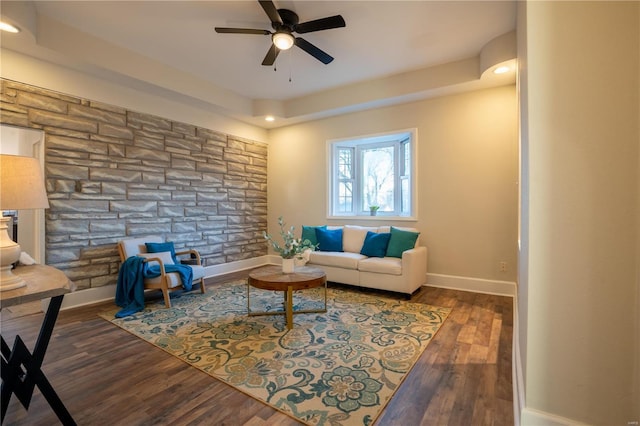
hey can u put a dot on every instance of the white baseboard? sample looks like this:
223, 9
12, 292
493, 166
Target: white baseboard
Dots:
85, 297
475, 285
516, 367
531, 417
240, 265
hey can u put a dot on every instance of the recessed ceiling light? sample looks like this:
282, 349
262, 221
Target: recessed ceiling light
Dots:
501, 70
270, 118
4, 26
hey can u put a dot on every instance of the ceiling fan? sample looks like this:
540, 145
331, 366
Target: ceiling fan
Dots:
285, 22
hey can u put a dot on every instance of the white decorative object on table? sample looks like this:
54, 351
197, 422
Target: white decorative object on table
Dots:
291, 249
288, 265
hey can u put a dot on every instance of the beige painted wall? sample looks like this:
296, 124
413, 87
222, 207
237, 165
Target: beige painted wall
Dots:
467, 176
583, 85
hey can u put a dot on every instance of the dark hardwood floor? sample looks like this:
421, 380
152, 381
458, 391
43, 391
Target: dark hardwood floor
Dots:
106, 376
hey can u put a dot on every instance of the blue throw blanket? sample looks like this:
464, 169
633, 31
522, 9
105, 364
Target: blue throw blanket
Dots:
130, 287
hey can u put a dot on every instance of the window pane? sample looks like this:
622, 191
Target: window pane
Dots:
406, 196
345, 164
407, 159
378, 178
345, 197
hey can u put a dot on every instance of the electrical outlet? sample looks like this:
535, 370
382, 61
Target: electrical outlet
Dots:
503, 266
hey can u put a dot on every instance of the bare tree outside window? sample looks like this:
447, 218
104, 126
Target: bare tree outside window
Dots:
378, 178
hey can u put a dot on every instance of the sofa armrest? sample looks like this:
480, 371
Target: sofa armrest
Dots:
414, 265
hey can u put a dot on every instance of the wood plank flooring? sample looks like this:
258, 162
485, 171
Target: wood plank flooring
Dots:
106, 376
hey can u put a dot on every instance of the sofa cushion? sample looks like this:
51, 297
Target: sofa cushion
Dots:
309, 233
375, 245
173, 278
385, 265
160, 247
353, 237
344, 260
400, 241
329, 239
164, 256
198, 271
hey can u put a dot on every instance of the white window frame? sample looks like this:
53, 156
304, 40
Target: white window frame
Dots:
364, 141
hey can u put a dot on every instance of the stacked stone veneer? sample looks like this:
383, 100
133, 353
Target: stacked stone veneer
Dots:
112, 173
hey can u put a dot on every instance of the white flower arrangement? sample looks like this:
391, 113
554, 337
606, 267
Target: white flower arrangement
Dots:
293, 247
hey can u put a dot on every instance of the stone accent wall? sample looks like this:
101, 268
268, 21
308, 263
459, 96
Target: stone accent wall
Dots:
112, 173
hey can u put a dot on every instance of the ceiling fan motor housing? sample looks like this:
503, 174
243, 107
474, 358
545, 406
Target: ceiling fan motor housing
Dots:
289, 20
285, 22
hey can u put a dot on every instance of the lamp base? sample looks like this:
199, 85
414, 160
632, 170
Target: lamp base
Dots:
8, 281
9, 254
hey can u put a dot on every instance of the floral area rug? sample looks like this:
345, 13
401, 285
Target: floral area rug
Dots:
334, 368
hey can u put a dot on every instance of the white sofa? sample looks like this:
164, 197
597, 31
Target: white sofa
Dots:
402, 275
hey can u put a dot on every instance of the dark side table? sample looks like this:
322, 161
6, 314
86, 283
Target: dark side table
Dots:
21, 369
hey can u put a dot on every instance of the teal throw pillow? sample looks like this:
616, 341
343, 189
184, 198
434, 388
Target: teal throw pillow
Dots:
309, 233
401, 241
375, 245
329, 239
160, 247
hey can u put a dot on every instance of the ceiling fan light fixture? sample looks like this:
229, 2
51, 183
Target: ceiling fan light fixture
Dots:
283, 41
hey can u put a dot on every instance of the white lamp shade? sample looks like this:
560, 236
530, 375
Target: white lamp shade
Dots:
283, 41
21, 183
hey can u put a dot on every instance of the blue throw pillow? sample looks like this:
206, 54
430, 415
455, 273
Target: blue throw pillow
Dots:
309, 233
375, 245
401, 241
160, 247
329, 239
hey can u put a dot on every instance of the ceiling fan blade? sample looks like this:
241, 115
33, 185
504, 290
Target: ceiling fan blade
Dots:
312, 50
320, 24
271, 11
241, 31
271, 56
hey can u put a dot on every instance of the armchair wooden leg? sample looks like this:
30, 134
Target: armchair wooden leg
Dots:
202, 289
167, 301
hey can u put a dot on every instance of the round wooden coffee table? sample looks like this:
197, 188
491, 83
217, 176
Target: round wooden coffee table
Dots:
272, 278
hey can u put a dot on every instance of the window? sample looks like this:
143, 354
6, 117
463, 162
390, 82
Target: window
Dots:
373, 171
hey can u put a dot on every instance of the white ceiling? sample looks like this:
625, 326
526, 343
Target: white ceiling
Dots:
171, 48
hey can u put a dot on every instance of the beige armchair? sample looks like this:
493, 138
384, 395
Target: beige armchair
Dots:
166, 281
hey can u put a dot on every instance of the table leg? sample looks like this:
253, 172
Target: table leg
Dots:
21, 382
248, 301
289, 307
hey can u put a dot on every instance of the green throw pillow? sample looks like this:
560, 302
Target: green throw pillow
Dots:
309, 233
401, 241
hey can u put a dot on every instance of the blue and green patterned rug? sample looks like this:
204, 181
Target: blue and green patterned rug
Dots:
338, 368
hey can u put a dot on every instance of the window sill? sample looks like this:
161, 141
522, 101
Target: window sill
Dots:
377, 218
